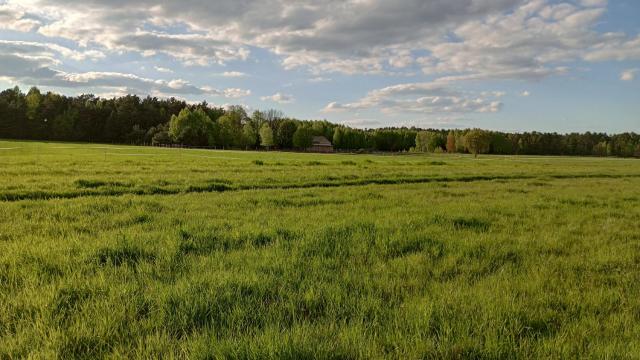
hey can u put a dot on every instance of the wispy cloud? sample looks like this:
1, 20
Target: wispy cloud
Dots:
279, 98
163, 69
233, 74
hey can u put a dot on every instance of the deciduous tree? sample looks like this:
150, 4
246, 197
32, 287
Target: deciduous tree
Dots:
266, 136
191, 127
303, 138
478, 141
451, 142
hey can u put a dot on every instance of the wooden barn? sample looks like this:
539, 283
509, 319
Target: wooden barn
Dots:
320, 144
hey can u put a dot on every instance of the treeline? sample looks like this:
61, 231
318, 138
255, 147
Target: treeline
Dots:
533, 143
134, 120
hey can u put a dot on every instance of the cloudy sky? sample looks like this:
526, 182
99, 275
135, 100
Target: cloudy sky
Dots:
549, 65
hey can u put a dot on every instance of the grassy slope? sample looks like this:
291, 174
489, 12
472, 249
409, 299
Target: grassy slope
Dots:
528, 257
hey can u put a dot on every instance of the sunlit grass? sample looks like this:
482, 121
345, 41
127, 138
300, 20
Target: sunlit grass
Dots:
315, 256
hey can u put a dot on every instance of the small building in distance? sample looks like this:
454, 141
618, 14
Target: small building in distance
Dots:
320, 144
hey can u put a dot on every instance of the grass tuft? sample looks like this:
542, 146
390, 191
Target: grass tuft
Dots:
470, 224
122, 255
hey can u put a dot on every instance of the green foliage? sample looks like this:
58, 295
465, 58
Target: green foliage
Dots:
422, 141
266, 136
478, 141
229, 133
500, 144
601, 148
338, 138
133, 120
249, 136
191, 127
303, 138
389, 140
63, 124
451, 142
284, 134
160, 135
430, 141
460, 142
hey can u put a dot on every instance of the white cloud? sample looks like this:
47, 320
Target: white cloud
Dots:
453, 42
525, 93
49, 50
192, 49
235, 93
629, 75
233, 74
163, 69
535, 41
280, 98
31, 64
335, 107
522, 39
437, 97
318, 79
594, 3
616, 47
402, 59
35, 63
13, 17
497, 94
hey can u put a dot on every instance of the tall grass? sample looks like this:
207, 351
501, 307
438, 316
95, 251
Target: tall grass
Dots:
538, 260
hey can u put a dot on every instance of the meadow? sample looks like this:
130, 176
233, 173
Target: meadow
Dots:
140, 252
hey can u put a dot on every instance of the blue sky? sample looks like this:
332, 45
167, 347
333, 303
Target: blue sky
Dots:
514, 65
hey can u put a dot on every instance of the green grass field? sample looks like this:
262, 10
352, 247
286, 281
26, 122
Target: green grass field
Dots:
132, 252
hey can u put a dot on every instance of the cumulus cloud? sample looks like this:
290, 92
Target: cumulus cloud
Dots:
501, 38
124, 27
629, 75
451, 42
438, 97
35, 64
279, 98
192, 49
13, 17
536, 40
233, 93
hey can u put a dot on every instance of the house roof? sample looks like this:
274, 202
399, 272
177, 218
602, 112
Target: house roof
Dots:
321, 141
